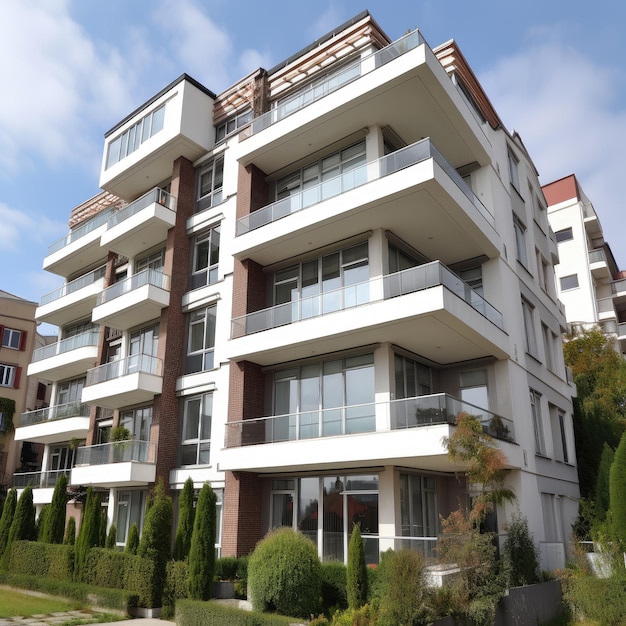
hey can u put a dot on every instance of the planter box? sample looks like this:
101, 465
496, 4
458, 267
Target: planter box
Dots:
223, 590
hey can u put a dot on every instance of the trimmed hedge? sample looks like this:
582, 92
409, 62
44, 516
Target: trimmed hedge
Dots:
42, 559
199, 613
334, 586
599, 599
176, 587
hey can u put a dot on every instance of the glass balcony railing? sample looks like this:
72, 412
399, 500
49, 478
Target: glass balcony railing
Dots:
89, 338
403, 414
597, 256
335, 81
156, 195
401, 283
146, 277
366, 173
38, 480
60, 411
74, 285
618, 286
137, 363
84, 229
117, 452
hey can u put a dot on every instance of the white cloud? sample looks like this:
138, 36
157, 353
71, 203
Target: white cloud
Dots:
571, 115
19, 228
327, 21
250, 60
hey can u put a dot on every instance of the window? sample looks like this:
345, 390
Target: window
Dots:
129, 511
549, 341
559, 433
210, 182
69, 396
400, 260
564, 235
528, 312
232, 124
418, 508
569, 282
12, 338
473, 389
513, 162
9, 375
535, 409
154, 261
206, 251
520, 241
201, 340
543, 271
196, 441
138, 422
412, 379
133, 137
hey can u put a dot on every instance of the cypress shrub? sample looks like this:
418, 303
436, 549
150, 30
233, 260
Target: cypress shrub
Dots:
617, 480
176, 587
23, 525
36, 558
6, 520
186, 513
520, 554
334, 581
132, 541
156, 538
70, 532
357, 570
102, 529
284, 574
54, 522
40, 522
111, 537
202, 549
602, 496
89, 532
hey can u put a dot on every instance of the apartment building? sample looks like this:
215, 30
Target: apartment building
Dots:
19, 337
292, 288
589, 282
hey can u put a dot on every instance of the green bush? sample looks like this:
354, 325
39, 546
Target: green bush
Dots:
111, 538
602, 493
132, 542
54, 520
520, 554
363, 616
42, 559
89, 532
600, 599
284, 574
226, 568
176, 587
198, 613
8, 511
70, 532
403, 596
40, 522
202, 550
186, 515
334, 594
357, 570
617, 481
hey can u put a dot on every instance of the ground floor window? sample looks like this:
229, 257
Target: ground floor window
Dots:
130, 507
418, 511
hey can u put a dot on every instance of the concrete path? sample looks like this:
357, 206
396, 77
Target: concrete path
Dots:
55, 619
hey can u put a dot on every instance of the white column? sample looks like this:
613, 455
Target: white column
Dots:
387, 508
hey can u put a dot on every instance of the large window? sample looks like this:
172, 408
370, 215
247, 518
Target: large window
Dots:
12, 338
69, 396
129, 511
520, 241
210, 184
528, 313
418, 510
206, 252
154, 261
513, 162
196, 440
9, 375
412, 378
138, 422
232, 124
474, 390
132, 138
535, 409
321, 399
201, 340
558, 422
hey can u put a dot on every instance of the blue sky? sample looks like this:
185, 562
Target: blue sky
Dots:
71, 69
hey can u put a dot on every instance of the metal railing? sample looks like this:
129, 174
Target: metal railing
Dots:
137, 363
75, 285
401, 159
89, 338
402, 414
38, 480
145, 277
57, 412
335, 81
383, 288
84, 229
117, 452
158, 195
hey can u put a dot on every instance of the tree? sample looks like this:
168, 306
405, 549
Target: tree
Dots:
40, 522
111, 538
602, 494
617, 481
357, 570
520, 554
89, 532
155, 538
7, 518
54, 522
70, 532
186, 515
202, 549
132, 541
23, 523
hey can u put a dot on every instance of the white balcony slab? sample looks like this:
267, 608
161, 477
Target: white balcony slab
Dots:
75, 255
73, 306
108, 475
65, 365
124, 390
53, 431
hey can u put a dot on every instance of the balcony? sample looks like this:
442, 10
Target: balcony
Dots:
54, 424
140, 225
413, 185
454, 322
404, 432
72, 301
119, 464
42, 483
78, 249
139, 151
66, 358
385, 88
599, 265
133, 301
132, 380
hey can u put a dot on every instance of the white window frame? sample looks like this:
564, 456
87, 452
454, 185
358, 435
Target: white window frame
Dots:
214, 195
520, 240
7, 375
232, 124
528, 313
208, 275
9, 335
513, 163
564, 234
535, 409
197, 441
207, 351
565, 281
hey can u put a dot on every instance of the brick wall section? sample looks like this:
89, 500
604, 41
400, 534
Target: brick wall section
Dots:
165, 417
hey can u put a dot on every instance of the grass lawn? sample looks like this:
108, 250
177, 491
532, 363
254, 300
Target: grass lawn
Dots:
16, 603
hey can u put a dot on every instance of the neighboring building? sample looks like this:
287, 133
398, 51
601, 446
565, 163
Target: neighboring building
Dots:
310, 275
589, 283
18, 338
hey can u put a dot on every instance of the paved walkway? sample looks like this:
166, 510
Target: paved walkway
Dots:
53, 619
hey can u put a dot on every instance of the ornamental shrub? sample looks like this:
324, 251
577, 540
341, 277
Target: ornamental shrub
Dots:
176, 587
186, 515
70, 532
132, 541
334, 580
357, 570
6, 520
23, 525
602, 497
111, 538
195, 613
202, 550
54, 521
520, 554
89, 532
40, 522
36, 558
284, 574
617, 481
